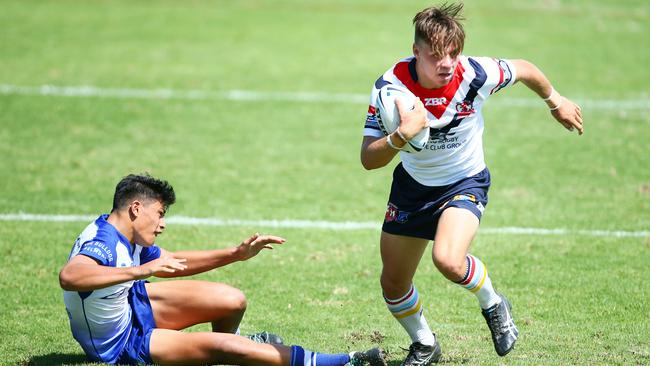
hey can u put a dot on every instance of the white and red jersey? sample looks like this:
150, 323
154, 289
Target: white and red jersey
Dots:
455, 147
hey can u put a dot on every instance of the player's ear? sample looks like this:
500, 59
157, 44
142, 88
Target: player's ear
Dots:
416, 50
135, 208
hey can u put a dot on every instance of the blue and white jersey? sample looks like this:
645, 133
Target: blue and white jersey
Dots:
455, 147
101, 319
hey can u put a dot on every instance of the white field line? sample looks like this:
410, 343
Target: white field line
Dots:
325, 225
250, 95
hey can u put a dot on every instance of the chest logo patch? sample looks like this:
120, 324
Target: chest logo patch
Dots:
465, 108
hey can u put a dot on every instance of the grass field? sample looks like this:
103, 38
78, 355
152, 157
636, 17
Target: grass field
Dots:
579, 295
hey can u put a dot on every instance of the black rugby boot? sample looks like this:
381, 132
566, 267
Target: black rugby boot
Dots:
372, 357
422, 355
503, 329
265, 337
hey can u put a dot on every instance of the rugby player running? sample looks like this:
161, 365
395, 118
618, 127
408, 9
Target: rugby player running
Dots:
439, 193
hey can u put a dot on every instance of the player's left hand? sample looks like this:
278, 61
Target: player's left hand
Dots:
569, 115
412, 121
254, 244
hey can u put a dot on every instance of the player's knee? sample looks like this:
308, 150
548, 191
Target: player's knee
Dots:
453, 269
386, 281
234, 300
394, 287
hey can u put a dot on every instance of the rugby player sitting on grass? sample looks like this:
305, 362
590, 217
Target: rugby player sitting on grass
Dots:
118, 318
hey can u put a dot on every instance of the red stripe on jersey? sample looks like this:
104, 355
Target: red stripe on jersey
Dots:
448, 91
500, 77
371, 109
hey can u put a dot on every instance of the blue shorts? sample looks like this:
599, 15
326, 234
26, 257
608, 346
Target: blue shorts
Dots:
136, 350
414, 209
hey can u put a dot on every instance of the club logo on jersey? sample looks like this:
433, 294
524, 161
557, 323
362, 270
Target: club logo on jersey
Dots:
465, 108
393, 214
431, 102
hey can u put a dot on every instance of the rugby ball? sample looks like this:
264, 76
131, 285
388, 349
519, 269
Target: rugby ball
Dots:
388, 115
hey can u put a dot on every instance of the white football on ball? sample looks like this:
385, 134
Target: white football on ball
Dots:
388, 116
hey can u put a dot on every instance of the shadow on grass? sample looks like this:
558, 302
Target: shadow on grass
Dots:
57, 359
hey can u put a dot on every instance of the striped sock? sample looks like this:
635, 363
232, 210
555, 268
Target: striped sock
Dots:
409, 313
478, 282
303, 357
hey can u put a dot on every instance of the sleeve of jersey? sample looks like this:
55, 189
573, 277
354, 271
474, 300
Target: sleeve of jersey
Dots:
500, 73
99, 251
149, 253
371, 128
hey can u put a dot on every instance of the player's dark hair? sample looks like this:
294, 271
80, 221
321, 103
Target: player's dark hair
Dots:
143, 187
440, 28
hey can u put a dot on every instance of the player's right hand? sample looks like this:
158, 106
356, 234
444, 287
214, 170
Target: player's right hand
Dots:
255, 243
411, 121
569, 114
164, 264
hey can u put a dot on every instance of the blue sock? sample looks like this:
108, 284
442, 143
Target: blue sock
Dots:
302, 357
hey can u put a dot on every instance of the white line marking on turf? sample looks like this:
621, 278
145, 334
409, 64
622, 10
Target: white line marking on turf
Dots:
128, 93
325, 225
250, 95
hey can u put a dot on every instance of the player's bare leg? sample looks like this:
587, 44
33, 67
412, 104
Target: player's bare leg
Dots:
456, 230
180, 304
170, 347
400, 256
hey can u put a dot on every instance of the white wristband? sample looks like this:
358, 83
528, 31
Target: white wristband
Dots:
558, 105
550, 95
391, 144
401, 136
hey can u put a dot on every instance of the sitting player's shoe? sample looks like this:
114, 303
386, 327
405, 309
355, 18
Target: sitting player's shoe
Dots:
421, 355
372, 357
503, 329
265, 337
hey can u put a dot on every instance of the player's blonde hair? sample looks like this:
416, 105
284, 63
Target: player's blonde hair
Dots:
440, 28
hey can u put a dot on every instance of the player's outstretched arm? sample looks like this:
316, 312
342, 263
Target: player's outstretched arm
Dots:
83, 273
199, 261
563, 110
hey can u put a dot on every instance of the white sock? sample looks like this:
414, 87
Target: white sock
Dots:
478, 282
408, 311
